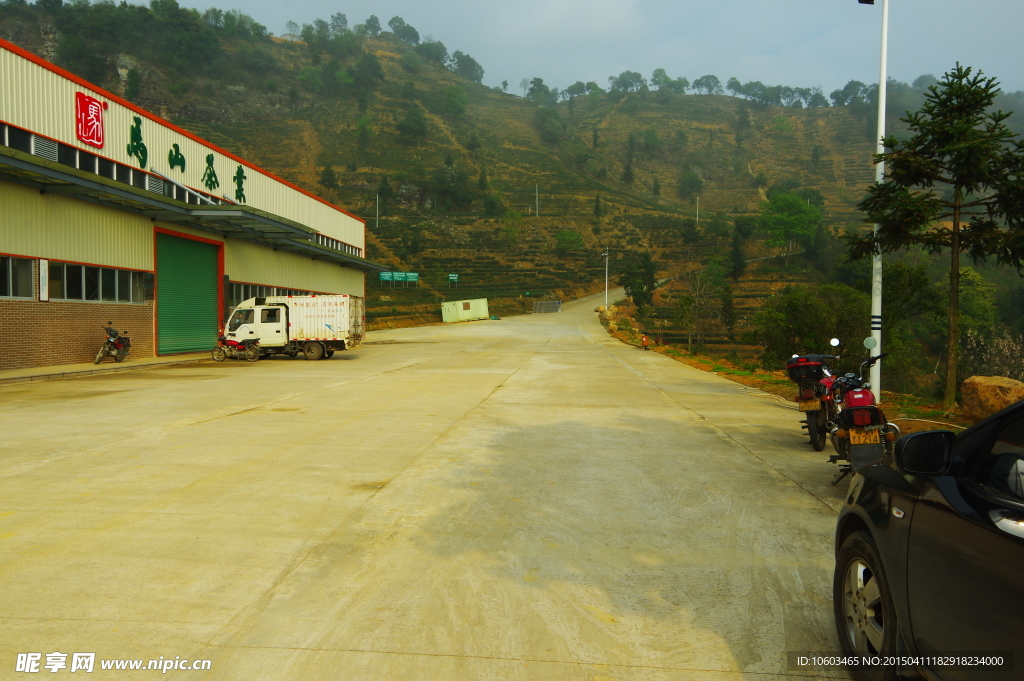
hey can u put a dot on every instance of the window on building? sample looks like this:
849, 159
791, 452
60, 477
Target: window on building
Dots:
16, 277
107, 284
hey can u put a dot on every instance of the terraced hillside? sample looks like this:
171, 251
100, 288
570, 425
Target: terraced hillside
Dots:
498, 147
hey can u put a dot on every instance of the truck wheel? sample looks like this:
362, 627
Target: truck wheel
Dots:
329, 354
312, 350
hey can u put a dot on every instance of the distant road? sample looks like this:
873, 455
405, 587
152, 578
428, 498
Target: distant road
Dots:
516, 499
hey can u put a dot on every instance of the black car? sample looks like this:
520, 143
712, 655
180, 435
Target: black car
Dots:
930, 555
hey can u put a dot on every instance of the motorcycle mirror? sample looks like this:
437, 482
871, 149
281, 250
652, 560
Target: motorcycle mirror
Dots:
834, 342
870, 343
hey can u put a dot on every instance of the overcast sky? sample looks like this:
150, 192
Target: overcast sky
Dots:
800, 43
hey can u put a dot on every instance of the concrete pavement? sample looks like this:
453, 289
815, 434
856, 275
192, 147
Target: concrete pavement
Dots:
514, 499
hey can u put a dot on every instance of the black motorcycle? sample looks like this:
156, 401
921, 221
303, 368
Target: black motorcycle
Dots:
116, 345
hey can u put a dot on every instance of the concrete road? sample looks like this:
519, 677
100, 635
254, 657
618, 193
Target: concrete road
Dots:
516, 499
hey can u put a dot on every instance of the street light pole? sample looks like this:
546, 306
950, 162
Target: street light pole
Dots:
606, 251
876, 263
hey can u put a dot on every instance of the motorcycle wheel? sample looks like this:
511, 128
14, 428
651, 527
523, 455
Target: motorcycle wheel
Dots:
100, 355
252, 353
816, 430
119, 356
219, 354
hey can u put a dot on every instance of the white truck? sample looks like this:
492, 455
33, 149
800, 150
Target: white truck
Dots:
316, 326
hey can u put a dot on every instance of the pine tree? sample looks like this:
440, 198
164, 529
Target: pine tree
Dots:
963, 168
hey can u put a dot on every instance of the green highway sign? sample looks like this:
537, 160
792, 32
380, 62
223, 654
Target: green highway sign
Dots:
412, 276
399, 276
453, 277
386, 276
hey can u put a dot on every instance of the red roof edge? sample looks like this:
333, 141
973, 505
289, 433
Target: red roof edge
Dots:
39, 61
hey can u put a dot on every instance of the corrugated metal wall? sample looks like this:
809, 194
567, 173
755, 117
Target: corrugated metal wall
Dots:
42, 101
257, 264
62, 228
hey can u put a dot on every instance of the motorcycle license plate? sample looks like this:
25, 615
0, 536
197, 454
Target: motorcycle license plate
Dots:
859, 436
810, 405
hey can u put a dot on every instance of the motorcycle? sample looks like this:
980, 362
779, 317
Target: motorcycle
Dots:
248, 349
116, 345
860, 433
814, 379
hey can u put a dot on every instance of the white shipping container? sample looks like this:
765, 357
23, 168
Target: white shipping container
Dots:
316, 317
464, 310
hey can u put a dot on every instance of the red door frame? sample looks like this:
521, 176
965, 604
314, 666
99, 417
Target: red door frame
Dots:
156, 281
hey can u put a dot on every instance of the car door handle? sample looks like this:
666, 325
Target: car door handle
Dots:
1009, 522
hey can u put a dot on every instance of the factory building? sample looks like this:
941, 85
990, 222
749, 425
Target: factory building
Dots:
110, 213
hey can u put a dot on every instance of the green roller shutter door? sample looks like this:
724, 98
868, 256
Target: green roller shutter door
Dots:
186, 295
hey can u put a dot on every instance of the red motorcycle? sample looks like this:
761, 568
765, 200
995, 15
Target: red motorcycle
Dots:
860, 433
814, 379
116, 345
248, 349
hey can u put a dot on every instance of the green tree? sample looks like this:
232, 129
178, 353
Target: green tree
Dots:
627, 173
594, 138
689, 231
568, 242
328, 179
787, 217
802, 319
131, 89
709, 85
372, 25
504, 86
961, 165
737, 257
364, 132
384, 193
454, 102
412, 129
728, 312
481, 182
639, 279
493, 207
467, 67
656, 187
597, 206
745, 225
690, 185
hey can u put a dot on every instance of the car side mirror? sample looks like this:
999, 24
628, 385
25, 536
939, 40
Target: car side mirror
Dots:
926, 454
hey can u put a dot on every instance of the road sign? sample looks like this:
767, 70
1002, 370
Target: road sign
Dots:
453, 277
386, 276
412, 276
398, 276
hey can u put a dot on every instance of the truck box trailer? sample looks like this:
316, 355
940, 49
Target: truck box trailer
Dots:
316, 326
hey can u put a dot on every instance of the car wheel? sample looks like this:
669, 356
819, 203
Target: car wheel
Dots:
864, 612
312, 350
816, 430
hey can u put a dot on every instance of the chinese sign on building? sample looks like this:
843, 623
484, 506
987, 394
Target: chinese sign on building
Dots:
89, 119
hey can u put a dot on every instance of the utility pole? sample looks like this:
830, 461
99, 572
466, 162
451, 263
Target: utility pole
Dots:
378, 214
875, 375
605, 254
698, 208
536, 190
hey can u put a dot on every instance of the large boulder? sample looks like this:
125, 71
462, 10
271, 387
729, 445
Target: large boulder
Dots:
985, 395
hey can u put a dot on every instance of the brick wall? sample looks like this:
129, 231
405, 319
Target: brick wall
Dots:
33, 333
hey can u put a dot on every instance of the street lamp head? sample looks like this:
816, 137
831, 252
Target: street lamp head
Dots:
866, 2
